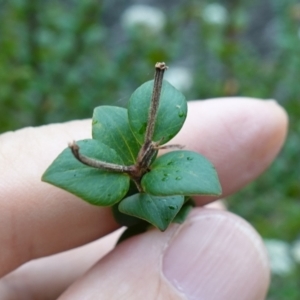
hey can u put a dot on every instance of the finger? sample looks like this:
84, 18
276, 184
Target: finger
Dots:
214, 255
38, 219
241, 139
48, 277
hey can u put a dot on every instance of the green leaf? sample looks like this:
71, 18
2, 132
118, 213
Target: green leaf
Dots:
159, 211
98, 187
184, 211
171, 115
111, 127
182, 173
124, 219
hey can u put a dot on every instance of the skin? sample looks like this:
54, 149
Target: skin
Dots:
55, 246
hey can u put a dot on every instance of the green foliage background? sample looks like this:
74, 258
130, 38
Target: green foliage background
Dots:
60, 59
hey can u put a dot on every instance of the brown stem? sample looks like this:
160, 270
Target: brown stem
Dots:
149, 147
94, 163
160, 68
172, 146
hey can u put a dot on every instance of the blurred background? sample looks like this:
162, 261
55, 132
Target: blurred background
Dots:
60, 59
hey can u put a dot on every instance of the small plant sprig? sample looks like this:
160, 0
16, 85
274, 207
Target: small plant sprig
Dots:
119, 166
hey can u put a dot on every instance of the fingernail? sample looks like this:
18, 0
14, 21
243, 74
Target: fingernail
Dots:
217, 255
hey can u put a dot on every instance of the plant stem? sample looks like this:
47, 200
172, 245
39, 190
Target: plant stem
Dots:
149, 147
160, 68
94, 163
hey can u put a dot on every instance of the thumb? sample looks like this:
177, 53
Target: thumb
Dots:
213, 255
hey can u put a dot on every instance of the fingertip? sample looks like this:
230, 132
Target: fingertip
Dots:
280, 122
217, 255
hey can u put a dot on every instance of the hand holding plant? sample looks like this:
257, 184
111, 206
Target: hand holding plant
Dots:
214, 253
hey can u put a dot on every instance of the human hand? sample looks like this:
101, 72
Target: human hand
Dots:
213, 255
